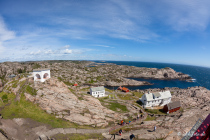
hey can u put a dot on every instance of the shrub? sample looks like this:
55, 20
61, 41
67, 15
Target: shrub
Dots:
5, 98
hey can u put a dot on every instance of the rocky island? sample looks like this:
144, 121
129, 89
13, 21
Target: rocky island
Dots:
55, 108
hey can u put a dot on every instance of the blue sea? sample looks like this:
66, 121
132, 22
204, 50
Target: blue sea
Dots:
201, 74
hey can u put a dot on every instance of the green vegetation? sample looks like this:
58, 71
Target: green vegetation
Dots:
36, 66
109, 90
181, 109
30, 90
125, 96
150, 118
138, 94
78, 136
91, 81
80, 98
115, 106
14, 83
26, 109
112, 96
155, 111
4, 98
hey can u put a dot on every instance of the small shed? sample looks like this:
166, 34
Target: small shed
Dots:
119, 88
172, 107
75, 85
124, 89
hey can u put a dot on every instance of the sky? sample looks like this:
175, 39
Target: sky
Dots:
122, 30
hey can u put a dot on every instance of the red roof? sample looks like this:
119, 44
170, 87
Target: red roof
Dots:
125, 89
75, 84
120, 88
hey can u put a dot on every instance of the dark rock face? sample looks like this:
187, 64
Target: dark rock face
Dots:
165, 75
1, 84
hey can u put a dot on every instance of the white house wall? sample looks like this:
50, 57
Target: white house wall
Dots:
154, 102
41, 73
98, 93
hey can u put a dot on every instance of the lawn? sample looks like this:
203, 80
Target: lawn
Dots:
150, 118
125, 96
27, 109
155, 111
115, 106
78, 136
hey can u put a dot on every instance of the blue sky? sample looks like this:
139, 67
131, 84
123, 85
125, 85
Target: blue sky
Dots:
138, 30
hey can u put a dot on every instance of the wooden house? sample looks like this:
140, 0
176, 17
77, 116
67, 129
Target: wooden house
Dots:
124, 89
97, 91
119, 88
155, 99
172, 107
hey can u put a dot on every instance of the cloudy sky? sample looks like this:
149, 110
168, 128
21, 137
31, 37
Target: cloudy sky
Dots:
138, 30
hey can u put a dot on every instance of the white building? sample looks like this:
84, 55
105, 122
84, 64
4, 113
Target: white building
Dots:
156, 99
41, 74
97, 91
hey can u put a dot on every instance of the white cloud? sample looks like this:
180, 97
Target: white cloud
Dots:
48, 52
5, 34
67, 51
36, 52
105, 46
67, 46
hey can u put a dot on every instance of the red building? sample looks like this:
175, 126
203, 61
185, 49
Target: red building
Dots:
172, 107
124, 89
119, 88
75, 85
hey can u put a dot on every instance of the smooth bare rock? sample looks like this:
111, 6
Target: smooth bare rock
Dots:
55, 97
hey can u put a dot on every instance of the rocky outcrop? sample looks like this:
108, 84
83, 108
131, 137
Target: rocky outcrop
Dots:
82, 72
55, 97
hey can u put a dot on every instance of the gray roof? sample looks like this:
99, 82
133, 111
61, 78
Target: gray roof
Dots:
174, 105
97, 88
156, 95
41, 69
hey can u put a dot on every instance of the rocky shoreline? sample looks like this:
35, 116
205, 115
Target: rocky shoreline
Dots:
91, 73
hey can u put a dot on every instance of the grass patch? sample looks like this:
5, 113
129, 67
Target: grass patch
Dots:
80, 98
14, 83
150, 118
112, 96
109, 90
138, 94
115, 106
125, 96
77, 136
155, 111
30, 90
91, 81
36, 66
26, 109
6, 98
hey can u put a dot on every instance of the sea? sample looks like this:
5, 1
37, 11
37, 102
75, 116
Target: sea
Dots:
200, 74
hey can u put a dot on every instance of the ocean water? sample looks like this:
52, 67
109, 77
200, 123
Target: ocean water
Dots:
201, 74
